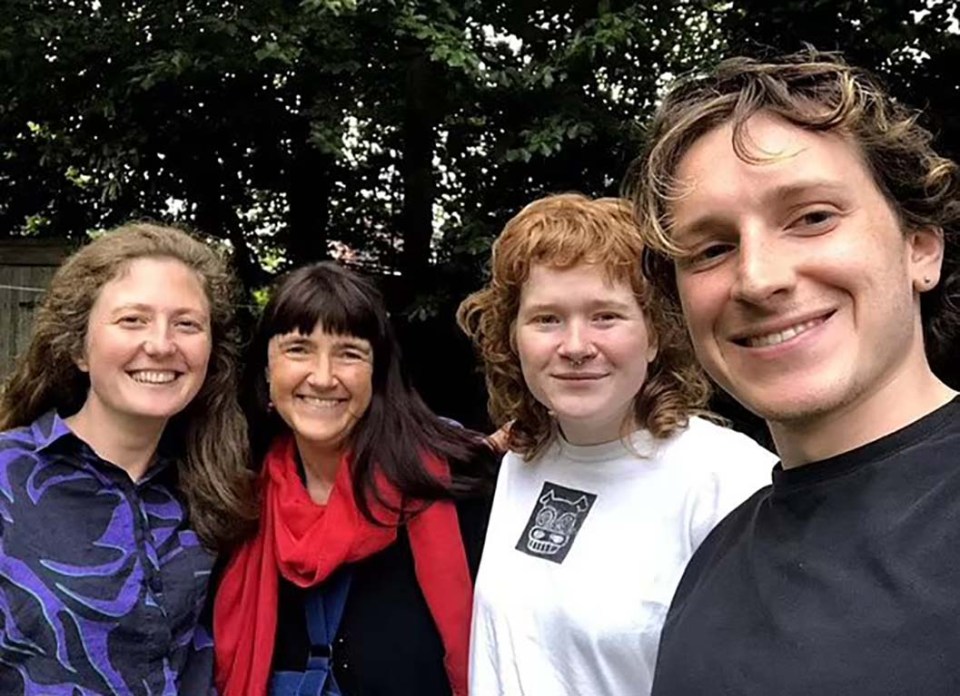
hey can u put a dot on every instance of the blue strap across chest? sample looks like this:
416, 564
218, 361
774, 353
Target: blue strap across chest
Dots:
324, 609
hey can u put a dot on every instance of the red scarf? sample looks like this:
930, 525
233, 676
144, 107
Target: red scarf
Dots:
307, 542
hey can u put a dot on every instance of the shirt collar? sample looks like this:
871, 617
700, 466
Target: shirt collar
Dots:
50, 429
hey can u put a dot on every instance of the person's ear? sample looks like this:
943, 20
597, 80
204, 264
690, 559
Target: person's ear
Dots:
925, 257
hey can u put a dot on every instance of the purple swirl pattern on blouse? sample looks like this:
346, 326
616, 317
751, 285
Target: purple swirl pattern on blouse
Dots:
101, 580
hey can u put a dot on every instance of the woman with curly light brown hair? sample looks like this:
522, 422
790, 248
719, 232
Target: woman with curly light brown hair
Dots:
611, 479
123, 469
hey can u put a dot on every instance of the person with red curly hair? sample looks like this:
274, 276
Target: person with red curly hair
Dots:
613, 476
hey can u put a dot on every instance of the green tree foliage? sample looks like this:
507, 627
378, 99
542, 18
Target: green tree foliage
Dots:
401, 133
286, 128
398, 134
913, 44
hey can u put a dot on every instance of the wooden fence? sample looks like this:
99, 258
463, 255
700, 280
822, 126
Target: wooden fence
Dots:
26, 266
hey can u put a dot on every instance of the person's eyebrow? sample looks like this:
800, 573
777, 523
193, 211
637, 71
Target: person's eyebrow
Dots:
592, 305
535, 307
804, 188
356, 343
291, 338
132, 306
709, 223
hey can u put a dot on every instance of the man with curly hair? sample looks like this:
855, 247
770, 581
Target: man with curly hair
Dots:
803, 222
612, 478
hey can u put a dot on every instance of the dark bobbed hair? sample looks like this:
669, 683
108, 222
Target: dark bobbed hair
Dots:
398, 427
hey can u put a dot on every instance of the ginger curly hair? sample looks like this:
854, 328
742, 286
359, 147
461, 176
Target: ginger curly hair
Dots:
562, 231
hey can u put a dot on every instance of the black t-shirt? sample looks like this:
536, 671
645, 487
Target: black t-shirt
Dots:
841, 578
387, 643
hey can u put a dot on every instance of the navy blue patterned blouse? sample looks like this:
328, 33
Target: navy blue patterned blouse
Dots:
101, 580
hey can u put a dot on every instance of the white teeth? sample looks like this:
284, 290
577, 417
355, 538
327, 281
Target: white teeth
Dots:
780, 336
319, 402
153, 376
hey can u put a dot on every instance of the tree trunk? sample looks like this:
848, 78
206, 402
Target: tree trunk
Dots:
419, 124
216, 217
309, 186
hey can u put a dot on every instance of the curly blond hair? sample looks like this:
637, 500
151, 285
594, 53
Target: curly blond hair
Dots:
818, 92
213, 470
562, 231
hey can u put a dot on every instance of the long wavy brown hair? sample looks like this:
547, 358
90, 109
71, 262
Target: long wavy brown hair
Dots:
562, 231
209, 435
818, 92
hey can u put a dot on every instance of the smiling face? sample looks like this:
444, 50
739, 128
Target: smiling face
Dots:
147, 343
320, 385
802, 290
584, 348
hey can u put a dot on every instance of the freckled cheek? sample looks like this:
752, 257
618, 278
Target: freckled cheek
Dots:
534, 351
114, 346
109, 351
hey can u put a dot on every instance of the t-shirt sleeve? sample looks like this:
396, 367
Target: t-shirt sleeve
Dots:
739, 468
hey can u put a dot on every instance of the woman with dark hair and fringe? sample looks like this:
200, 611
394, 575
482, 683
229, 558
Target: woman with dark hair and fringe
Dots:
123, 468
612, 479
360, 578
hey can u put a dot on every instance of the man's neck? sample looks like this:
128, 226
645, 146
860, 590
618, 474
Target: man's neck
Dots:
128, 443
870, 416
